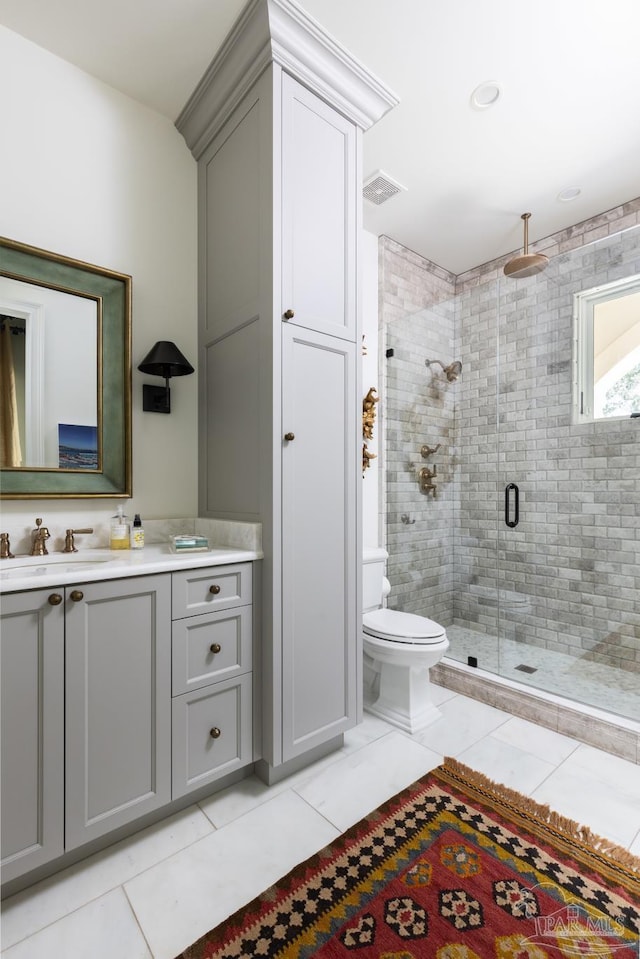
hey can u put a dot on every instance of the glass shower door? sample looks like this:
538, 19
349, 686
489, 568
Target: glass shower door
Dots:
474, 629
568, 508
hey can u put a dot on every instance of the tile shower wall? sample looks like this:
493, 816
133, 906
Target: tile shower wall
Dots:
568, 577
417, 323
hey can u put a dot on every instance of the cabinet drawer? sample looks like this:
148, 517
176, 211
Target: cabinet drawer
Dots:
209, 648
212, 733
196, 591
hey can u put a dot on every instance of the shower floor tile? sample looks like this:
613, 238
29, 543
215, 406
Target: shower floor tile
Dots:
595, 684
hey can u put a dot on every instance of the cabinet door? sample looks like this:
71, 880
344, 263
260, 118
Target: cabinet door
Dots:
321, 638
118, 706
32, 649
319, 213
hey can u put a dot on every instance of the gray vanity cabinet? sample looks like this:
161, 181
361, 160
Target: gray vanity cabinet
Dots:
118, 719
212, 639
32, 653
119, 697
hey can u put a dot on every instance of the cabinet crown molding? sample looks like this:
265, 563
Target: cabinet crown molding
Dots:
282, 32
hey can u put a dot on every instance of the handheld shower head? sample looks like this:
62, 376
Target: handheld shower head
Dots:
452, 371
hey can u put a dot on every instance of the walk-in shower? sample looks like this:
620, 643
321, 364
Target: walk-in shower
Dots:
530, 553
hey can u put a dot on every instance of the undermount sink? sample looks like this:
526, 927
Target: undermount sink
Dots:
41, 565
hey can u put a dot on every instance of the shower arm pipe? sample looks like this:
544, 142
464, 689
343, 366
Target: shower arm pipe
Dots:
439, 362
525, 218
452, 371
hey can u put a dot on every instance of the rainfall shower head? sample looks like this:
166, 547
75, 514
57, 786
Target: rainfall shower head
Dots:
526, 264
452, 371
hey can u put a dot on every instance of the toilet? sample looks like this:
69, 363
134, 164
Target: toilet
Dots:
399, 650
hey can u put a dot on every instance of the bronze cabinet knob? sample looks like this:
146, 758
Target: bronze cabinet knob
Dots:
288, 314
55, 599
215, 589
76, 595
215, 647
289, 436
214, 733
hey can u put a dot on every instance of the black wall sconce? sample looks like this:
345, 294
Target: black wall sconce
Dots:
164, 359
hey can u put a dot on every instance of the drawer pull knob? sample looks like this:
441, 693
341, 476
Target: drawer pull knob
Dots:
215, 647
215, 589
76, 595
55, 599
289, 314
289, 437
214, 733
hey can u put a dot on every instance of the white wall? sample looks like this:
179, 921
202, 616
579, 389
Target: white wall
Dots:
92, 174
370, 377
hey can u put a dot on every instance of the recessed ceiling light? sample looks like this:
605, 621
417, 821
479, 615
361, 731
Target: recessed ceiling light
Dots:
485, 95
570, 193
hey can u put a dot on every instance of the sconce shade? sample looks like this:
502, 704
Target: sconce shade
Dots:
165, 359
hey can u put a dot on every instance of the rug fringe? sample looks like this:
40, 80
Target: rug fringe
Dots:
569, 829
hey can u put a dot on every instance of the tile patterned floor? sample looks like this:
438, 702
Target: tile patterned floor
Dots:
602, 686
151, 895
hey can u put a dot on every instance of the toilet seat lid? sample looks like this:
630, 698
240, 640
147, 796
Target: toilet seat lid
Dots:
394, 626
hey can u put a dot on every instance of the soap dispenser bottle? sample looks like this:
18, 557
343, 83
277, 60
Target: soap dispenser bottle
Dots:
119, 531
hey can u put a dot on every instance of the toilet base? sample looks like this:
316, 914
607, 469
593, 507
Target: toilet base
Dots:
404, 698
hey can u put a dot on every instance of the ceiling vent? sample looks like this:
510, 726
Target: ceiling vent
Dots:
380, 187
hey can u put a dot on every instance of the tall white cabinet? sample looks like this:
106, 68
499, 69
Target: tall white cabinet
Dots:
276, 126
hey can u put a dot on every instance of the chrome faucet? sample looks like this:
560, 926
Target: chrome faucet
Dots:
39, 543
69, 544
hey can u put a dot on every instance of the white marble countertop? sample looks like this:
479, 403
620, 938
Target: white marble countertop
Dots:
95, 565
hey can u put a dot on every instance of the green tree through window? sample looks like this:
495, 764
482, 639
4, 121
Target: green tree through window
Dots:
624, 396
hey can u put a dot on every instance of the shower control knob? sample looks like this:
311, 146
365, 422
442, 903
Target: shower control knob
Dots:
288, 314
289, 436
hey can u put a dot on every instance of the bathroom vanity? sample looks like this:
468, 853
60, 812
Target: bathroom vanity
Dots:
126, 686
119, 703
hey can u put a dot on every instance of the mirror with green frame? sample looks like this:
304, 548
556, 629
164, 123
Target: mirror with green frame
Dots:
65, 376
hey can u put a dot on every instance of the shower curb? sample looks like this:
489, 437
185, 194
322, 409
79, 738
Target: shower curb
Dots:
587, 725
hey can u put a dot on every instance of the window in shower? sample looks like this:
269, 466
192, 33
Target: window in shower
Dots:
607, 351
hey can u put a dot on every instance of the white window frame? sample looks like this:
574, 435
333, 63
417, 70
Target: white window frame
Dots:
584, 304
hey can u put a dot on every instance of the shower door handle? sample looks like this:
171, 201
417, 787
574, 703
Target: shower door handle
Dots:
509, 488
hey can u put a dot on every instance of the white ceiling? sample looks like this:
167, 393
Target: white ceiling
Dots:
569, 113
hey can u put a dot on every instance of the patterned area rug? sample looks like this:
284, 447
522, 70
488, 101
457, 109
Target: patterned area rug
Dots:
454, 867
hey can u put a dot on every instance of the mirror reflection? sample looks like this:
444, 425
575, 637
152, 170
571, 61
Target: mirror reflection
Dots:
49, 349
65, 376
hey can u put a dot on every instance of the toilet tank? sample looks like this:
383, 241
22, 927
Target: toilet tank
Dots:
374, 560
